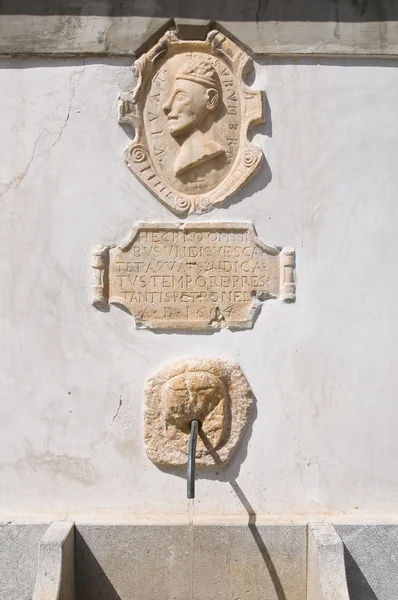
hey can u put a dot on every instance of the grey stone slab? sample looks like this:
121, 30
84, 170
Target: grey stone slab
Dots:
56, 35
123, 562
109, 27
19, 545
120, 562
371, 557
55, 578
326, 575
264, 562
250, 10
317, 38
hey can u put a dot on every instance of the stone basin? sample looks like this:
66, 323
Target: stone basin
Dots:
315, 561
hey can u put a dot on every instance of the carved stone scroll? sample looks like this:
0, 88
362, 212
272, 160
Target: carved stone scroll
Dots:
192, 275
99, 268
213, 391
191, 113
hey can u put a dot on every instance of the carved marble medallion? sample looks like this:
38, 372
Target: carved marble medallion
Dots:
192, 275
213, 391
191, 112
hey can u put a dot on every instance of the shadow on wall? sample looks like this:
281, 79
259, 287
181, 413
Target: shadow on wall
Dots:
263, 177
350, 11
251, 523
252, 516
358, 585
229, 475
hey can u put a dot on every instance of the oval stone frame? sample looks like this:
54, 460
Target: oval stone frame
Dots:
191, 112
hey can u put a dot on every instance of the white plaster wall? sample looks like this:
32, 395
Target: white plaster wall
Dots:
324, 370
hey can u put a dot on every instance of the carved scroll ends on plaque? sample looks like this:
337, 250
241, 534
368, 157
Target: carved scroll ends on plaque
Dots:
191, 113
213, 391
192, 275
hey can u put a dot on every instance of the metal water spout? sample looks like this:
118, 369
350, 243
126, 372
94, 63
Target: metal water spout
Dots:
191, 459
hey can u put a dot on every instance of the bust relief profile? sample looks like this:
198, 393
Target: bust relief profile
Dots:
193, 99
191, 112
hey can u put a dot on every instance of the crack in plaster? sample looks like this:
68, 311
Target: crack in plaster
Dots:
79, 75
18, 179
118, 409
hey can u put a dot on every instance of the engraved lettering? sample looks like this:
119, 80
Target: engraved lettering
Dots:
220, 270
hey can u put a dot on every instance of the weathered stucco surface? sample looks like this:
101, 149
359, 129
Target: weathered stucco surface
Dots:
323, 370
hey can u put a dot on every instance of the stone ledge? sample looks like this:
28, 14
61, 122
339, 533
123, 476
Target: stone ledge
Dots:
96, 35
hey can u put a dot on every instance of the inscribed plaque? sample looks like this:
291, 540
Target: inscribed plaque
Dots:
192, 275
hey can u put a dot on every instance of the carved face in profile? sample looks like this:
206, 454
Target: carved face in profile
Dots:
191, 395
195, 93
